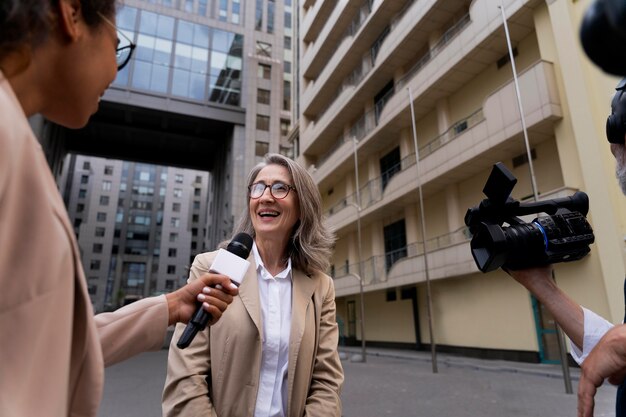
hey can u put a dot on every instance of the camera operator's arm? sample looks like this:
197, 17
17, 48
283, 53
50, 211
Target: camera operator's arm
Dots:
567, 313
583, 327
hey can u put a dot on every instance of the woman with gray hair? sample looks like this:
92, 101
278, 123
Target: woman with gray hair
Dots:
274, 351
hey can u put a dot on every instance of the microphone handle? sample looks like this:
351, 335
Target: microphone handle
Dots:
196, 324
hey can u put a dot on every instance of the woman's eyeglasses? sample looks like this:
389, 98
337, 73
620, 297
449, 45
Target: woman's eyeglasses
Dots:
278, 190
123, 53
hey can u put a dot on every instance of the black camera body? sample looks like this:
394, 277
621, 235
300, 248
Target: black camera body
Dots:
564, 235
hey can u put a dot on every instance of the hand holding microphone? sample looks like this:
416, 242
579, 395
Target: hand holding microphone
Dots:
231, 263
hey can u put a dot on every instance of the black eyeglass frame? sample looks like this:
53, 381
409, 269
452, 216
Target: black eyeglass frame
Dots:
120, 50
271, 187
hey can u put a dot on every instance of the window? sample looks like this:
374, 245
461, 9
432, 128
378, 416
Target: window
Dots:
176, 207
264, 49
263, 122
265, 71
97, 248
106, 185
175, 222
179, 178
195, 218
93, 289
196, 205
134, 274
77, 222
171, 252
263, 96
287, 67
86, 165
197, 192
271, 6
286, 95
171, 269
287, 42
178, 192
101, 217
108, 170
100, 231
84, 179
285, 125
198, 179
390, 165
287, 20
169, 285
104, 200
258, 15
82, 193
173, 237
261, 148
395, 243
80, 207
94, 265
194, 231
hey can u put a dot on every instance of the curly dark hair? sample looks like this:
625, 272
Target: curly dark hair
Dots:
29, 22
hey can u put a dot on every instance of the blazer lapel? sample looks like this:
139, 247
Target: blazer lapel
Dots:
249, 294
302, 290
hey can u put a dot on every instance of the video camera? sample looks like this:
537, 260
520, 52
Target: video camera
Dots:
562, 236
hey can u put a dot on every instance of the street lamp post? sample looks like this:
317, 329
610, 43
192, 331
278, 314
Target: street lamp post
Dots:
359, 276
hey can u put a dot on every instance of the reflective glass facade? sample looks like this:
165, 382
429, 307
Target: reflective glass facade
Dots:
181, 58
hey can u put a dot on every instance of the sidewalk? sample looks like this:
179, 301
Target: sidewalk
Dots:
447, 360
393, 383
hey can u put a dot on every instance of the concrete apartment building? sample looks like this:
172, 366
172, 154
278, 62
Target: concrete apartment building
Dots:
138, 226
357, 61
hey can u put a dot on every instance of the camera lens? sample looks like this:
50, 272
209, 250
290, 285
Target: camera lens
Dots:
514, 247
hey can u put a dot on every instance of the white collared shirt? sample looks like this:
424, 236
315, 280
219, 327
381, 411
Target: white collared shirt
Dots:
275, 297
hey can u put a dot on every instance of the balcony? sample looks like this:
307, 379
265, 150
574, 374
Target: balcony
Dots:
315, 19
462, 53
449, 256
489, 134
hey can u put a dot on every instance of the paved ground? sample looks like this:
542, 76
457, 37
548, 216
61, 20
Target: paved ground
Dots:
393, 383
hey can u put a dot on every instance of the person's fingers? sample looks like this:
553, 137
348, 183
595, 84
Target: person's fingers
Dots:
212, 301
586, 393
218, 293
215, 280
214, 311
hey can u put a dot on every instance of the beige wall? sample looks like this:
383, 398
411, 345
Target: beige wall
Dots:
480, 310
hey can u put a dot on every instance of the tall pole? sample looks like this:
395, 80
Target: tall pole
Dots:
433, 349
358, 232
559, 332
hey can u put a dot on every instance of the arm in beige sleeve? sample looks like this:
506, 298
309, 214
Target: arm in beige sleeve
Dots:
186, 391
130, 330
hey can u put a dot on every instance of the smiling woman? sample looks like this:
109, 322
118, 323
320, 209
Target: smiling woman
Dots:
281, 334
57, 58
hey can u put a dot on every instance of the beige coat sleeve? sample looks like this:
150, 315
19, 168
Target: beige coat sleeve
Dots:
186, 392
324, 394
130, 330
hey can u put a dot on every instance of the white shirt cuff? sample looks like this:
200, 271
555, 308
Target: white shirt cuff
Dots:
595, 327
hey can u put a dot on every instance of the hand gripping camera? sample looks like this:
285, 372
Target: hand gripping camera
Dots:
562, 236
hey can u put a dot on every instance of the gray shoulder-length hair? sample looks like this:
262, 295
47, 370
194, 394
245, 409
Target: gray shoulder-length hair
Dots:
311, 242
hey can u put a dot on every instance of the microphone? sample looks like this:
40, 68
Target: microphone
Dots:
231, 262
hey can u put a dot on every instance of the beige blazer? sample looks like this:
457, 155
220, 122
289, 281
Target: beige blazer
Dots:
52, 350
229, 353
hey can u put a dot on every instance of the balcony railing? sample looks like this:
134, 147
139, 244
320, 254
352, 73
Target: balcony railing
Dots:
361, 71
372, 191
369, 120
376, 268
